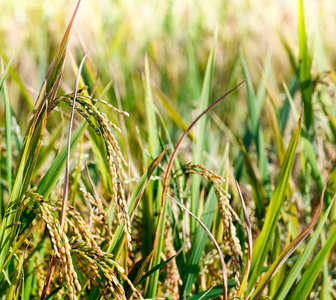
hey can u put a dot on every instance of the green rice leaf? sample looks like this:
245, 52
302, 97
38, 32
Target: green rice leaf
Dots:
156, 268
304, 71
262, 243
255, 103
303, 288
199, 145
301, 261
212, 293
16, 282
285, 254
8, 133
135, 275
4, 72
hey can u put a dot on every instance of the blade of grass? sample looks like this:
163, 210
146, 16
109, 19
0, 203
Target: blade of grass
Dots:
212, 293
150, 202
275, 252
325, 289
159, 238
153, 143
5, 71
8, 131
304, 71
77, 175
135, 275
291, 102
199, 145
131, 168
17, 246
8, 232
310, 158
15, 284
158, 267
2, 196
289, 249
302, 290
253, 131
262, 243
303, 258
52, 175
332, 122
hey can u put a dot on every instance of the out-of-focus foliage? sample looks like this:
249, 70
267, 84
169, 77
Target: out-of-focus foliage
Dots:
153, 68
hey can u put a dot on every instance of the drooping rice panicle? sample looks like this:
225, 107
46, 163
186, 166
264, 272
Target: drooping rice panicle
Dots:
89, 256
227, 214
115, 158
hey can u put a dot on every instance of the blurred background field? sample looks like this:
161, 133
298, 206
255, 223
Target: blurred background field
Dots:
253, 40
176, 35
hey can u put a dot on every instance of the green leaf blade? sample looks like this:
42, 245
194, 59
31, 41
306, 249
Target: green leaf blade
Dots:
262, 243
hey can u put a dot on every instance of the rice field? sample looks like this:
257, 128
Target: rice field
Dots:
167, 149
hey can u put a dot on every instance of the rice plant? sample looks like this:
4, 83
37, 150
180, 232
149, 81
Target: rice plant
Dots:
157, 181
